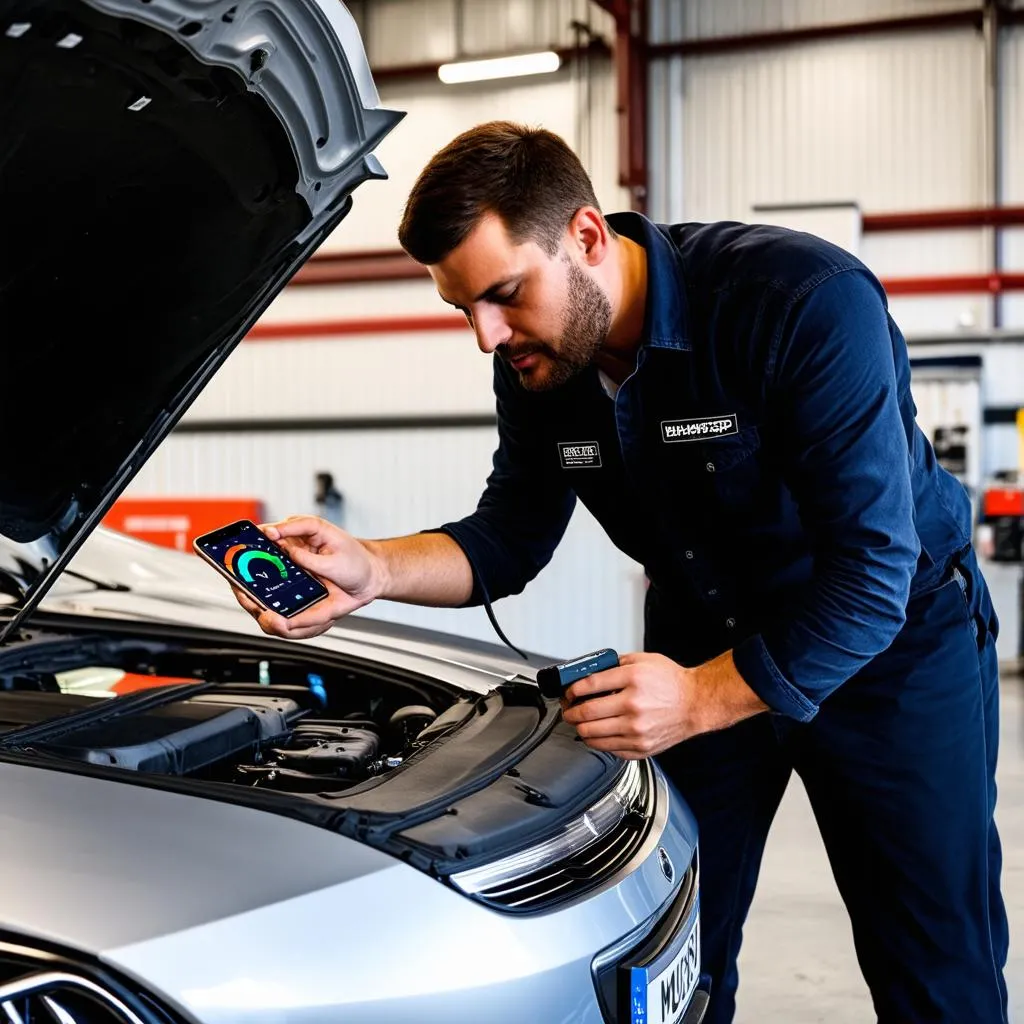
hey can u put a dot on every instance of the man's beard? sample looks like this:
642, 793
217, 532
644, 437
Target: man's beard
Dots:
586, 321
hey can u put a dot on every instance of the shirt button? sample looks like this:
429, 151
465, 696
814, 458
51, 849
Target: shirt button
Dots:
731, 623
710, 467
689, 554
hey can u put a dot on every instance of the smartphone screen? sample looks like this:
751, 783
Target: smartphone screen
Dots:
261, 568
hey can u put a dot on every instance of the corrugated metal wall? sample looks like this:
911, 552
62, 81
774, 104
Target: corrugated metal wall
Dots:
357, 376
578, 103
701, 20
397, 32
891, 122
1013, 163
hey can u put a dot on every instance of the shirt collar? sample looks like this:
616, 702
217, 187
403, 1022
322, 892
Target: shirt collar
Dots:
665, 320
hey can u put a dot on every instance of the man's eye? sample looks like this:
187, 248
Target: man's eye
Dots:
509, 296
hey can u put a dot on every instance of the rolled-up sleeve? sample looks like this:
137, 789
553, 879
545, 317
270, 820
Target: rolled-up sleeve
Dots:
526, 505
846, 458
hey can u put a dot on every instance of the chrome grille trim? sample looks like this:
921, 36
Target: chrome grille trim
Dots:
53, 982
62, 1016
48, 985
12, 1015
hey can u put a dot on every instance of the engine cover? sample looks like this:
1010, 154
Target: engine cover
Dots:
182, 737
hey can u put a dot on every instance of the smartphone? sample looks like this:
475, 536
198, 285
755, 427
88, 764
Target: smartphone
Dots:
251, 560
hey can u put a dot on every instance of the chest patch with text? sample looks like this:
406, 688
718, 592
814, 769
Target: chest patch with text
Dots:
698, 430
579, 454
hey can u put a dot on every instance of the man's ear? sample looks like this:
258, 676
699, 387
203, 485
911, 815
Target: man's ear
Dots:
588, 235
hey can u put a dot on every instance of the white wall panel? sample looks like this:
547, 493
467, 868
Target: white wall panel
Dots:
1013, 165
701, 19
1013, 255
940, 314
1004, 384
317, 303
923, 254
890, 123
1013, 115
838, 223
511, 25
437, 113
1013, 242
400, 481
402, 32
919, 254
597, 133
370, 375
667, 143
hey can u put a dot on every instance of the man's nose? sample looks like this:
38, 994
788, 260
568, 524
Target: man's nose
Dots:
491, 330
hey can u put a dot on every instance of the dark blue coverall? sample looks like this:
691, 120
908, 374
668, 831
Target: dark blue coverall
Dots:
763, 464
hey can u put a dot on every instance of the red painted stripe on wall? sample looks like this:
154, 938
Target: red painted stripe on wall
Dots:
923, 220
954, 284
369, 325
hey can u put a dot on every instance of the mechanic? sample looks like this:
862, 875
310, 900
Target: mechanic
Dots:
733, 404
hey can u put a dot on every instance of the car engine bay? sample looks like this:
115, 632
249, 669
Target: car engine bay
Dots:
297, 724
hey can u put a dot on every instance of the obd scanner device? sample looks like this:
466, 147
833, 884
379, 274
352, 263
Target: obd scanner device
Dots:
554, 680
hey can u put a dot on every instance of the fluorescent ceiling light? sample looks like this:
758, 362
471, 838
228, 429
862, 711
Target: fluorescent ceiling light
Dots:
499, 67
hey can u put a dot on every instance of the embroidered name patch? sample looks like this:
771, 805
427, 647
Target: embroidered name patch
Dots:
696, 430
579, 455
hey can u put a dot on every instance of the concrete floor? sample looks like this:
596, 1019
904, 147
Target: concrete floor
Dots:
797, 964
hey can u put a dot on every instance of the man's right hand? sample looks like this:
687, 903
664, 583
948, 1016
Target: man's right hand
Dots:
353, 575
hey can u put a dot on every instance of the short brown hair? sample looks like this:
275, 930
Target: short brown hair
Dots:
527, 176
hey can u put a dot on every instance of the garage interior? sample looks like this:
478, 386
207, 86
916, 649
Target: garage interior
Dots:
894, 128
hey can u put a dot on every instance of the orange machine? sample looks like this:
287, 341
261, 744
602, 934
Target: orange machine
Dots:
175, 522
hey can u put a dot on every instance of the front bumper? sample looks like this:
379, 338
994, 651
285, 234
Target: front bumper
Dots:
621, 977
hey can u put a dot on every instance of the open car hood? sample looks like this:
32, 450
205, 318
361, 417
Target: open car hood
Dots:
165, 167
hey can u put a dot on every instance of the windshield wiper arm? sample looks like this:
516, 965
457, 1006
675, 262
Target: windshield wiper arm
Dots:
98, 584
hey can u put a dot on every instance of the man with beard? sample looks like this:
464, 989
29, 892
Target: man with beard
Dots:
733, 404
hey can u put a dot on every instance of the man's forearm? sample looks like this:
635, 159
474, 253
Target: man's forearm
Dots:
423, 568
724, 696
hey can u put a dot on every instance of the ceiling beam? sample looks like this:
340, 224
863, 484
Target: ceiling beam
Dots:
968, 17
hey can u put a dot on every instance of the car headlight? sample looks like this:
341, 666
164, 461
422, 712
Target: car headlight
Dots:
589, 849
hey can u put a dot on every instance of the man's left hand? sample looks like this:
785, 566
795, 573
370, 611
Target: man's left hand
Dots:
650, 703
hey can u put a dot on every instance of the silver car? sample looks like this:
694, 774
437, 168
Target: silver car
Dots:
200, 823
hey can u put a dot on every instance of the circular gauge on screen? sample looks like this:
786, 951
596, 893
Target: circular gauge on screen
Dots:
247, 563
